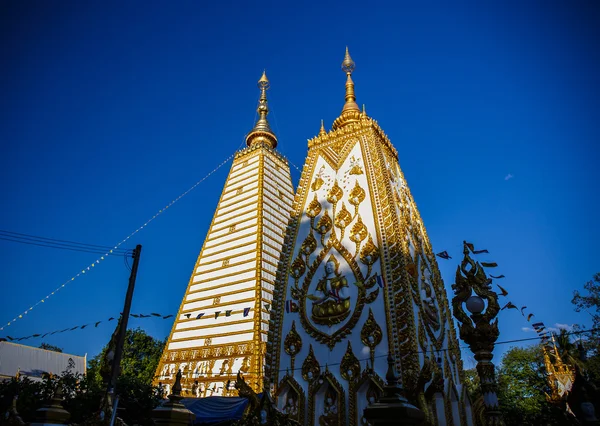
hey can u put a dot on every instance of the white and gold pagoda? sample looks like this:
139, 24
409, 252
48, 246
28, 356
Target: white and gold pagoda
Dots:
357, 280
222, 324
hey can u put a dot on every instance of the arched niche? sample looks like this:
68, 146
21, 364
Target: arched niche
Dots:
326, 401
364, 391
291, 399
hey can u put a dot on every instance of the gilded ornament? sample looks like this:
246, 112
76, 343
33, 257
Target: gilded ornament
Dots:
309, 245
371, 334
357, 195
330, 302
343, 218
314, 208
298, 268
317, 183
369, 253
324, 224
293, 342
350, 366
335, 194
371, 297
310, 367
358, 232
355, 168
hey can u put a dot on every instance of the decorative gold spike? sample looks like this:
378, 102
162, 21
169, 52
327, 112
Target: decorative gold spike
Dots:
322, 131
262, 134
351, 111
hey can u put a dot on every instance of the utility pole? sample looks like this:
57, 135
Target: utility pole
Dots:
123, 326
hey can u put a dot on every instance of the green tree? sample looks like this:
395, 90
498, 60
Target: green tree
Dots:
50, 347
522, 388
141, 354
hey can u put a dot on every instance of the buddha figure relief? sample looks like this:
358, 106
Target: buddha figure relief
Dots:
330, 410
331, 301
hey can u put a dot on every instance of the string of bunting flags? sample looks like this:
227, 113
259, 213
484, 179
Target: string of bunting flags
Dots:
95, 263
81, 327
539, 327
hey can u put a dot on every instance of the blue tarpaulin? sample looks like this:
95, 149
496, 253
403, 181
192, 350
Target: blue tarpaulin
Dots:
216, 409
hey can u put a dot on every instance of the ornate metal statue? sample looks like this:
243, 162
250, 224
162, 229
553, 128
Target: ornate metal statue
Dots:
480, 329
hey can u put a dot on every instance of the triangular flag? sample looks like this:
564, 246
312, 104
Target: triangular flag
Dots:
74, 328
246, 311
135, 315
167, 316
498, 277
444, 255
228, 313
529, 317
217, 313
479, 251
155, 314
522, 309
489, 264
188, 315
267, 306
503, 290
200, 315
509, 305
96, 325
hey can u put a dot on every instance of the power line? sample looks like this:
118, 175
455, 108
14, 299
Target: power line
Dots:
30, 237
64, 246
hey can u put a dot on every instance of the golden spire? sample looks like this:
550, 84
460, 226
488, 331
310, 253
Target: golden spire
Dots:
348, 67
262, 133
322, 131
351, 111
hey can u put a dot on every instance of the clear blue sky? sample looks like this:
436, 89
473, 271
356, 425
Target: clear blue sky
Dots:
109, 110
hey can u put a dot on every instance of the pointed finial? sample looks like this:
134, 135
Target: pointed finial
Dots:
262, 133
348, 65
322, 131
351, 111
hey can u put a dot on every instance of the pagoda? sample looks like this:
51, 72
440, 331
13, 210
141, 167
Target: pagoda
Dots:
358, 280
222, 324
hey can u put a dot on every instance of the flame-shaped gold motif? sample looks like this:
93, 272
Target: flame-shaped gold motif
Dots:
308, 245
369, 253
310, 367
335, 194
350, 366
357, 195
317, 183
343, 218
298, 268
324, 224
292, 343
358, 232
314, 208
371, 334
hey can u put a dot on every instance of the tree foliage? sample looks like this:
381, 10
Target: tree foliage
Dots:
49, 347
83, 395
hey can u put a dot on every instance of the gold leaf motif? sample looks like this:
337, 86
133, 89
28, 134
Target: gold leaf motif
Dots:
343, 218
357, 195
369, 253
314, 208
335, 193
310, 367
371, 334
298, 268
324, 224
292, 343
317, 183
371, 297
358, 232
350, 366
308, 245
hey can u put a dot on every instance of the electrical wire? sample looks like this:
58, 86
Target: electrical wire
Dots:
61, 247
38, 238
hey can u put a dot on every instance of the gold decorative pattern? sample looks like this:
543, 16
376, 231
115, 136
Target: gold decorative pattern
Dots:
292, 344
371, 334
310, 367
349, 367
331, 384
295, 412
